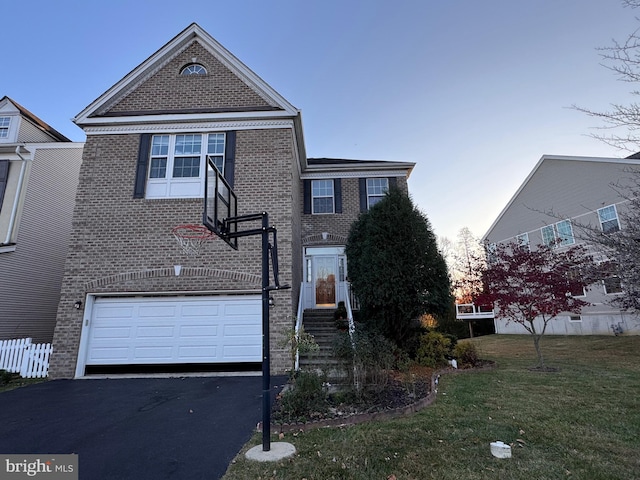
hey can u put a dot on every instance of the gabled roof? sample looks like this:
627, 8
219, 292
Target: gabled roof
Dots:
607, 160
42, 125
94, 113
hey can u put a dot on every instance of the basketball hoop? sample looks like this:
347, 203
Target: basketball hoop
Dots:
192, 237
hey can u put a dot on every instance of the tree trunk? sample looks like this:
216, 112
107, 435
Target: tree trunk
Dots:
536, 342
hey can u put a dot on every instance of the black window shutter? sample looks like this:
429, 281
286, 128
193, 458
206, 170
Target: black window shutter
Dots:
230, 157
362, 183
393, 182
4, 176
306, 191
337, 192
141, 168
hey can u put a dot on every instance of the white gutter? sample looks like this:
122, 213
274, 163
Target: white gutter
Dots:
14, 209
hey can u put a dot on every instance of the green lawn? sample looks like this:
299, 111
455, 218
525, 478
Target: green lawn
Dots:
582, 422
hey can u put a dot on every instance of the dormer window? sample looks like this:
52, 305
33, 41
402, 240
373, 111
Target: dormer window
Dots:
4, 126
194, 69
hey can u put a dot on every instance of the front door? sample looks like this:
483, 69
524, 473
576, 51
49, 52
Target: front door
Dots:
325, 281
325, 277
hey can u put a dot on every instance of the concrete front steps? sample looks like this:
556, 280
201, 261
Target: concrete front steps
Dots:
322, 326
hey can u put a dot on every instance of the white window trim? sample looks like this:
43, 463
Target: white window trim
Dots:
557, 238
12, 130
575, 318
12, 202
332, 196
617, 218
604, 287
179, 187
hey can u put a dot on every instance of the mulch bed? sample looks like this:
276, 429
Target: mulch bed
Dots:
404, 393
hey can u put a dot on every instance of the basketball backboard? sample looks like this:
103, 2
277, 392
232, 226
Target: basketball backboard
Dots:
220, 204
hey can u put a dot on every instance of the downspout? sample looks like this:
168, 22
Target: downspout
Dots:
14, 209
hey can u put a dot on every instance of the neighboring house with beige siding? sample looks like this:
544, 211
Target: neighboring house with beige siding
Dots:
38, 180
560, 195
146, 304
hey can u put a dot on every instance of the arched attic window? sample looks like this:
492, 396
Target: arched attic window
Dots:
193, 69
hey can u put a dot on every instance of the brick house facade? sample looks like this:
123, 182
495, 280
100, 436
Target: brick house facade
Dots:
130, 295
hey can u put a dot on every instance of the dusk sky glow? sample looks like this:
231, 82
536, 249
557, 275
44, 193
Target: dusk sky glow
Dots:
473, 92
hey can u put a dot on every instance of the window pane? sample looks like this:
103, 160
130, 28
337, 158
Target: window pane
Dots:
322, 188
565, 232
4, 126
522, 239
158, 168
609, 219
218, 161
323, 205
548, 235
612, 285
188, 144
216, 144
377, 186
186, 167
160, 145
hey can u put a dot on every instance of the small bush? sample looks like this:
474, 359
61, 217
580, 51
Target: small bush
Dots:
466, 354
306, 398
368, 360
434, 350
5, 377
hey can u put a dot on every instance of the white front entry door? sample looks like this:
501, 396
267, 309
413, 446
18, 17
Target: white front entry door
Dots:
325, 277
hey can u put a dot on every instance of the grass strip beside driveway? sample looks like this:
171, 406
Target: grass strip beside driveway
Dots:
582, 422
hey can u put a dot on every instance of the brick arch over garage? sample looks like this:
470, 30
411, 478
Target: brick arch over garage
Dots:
251, 279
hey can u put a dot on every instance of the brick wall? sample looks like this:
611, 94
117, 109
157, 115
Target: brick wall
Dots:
167, 89
338, 224
122, 244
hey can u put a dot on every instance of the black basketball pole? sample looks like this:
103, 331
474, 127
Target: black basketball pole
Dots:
266, 371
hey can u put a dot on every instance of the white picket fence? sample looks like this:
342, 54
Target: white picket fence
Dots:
30, 360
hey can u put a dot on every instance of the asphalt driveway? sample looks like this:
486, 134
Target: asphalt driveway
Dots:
142, 428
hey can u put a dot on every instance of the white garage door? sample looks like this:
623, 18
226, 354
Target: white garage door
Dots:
175, 330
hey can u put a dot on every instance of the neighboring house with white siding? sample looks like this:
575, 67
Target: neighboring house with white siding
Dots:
38, 179
561, 194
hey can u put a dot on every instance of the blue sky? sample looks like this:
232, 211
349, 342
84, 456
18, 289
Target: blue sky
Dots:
474, 92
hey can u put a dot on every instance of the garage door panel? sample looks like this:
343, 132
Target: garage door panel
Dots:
157, 311
240, 353
200, 311
212, 329
112, 332
112, 311
155, 331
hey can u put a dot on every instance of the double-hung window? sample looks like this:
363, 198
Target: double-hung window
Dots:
177, 163
559, 234
376, 189
522, 240
5, 122
322, 196
608, 217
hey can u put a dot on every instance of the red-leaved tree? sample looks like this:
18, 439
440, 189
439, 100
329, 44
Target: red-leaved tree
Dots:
531, 287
